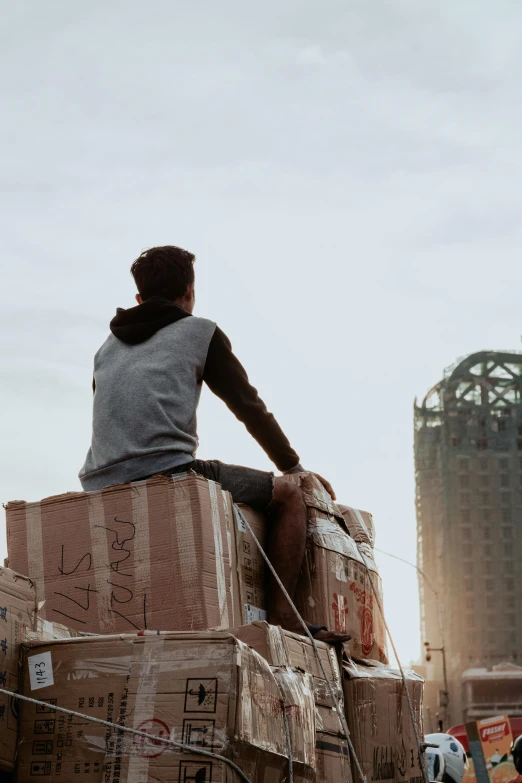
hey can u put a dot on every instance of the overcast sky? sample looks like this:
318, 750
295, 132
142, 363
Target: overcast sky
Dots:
349, 177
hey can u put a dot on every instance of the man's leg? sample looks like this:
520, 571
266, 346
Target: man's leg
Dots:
286, 534
286, 550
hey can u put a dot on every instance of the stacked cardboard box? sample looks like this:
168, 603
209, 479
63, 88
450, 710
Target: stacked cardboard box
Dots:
282, 648
339, 586
206, 690
167, 553
17, 616
380, 722
174, 554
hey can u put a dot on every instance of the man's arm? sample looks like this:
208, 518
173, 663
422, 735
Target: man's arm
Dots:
226, 377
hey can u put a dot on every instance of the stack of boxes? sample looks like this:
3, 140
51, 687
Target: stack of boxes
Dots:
156, 573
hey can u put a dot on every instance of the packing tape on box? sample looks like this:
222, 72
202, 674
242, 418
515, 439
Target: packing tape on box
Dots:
218, 549
140, 518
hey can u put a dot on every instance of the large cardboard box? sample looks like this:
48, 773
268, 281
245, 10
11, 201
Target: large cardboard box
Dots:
380, 724
207, 690
335, 588
164, 554
283, 648
17, 617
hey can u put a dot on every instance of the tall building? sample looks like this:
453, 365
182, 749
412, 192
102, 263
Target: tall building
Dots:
468, 468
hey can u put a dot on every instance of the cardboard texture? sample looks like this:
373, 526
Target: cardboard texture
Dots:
250, 564
17, 617
359, 524
335, 587
155, 554
379, 720
283, 648
207, 690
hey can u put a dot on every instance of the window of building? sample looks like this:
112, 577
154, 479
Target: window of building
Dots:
512, 637
510, 602
463, 464
470, 603
509, 585
490, 585
504, 479
466, 552
490, 602
503, 463
505, 498
509, 567
520, 498
492, 637
488, 567
466, 533
487, 533
464, 482
471, 638
467, 568
486, 515
508, 550
470, 620
465, 515
507, 532
506, 515
484, 480
464, 498
511, 620
483, 464
468, 585
484, 498
487, 550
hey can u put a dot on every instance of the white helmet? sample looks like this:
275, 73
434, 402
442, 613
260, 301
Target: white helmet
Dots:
454, 755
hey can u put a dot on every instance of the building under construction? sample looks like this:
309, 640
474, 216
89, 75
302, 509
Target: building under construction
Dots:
468, 468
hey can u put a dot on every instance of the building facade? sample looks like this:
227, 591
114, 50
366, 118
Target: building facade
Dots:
468, 468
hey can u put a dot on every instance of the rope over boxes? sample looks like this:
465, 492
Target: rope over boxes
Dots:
207, 690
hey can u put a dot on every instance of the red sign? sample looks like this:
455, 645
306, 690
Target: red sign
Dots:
151, 749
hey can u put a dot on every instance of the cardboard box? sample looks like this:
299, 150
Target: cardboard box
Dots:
359, 524
250, 564
335, 588
379, 720
156, 554
17, 617
283, 648
207, 690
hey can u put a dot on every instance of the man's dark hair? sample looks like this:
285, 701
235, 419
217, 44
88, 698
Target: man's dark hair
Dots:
163, 271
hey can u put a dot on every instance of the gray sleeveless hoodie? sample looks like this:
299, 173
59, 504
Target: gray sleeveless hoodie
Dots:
147, 384
145, 401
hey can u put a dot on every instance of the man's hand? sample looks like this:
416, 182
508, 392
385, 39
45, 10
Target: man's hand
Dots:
326, 484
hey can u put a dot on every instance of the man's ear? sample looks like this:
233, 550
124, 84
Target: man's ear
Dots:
139, 299
189, 293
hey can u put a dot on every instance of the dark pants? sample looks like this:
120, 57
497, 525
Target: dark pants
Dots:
246, 485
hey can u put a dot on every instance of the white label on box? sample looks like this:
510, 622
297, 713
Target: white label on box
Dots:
40, 670
239, 520
254, 613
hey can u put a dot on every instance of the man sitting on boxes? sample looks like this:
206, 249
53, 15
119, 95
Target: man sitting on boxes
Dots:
147, 384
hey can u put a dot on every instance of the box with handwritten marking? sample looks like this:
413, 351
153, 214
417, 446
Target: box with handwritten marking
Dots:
17, 617
205, 690
380, 723
169, 554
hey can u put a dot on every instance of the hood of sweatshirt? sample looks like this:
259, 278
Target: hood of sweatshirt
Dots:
139, 323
